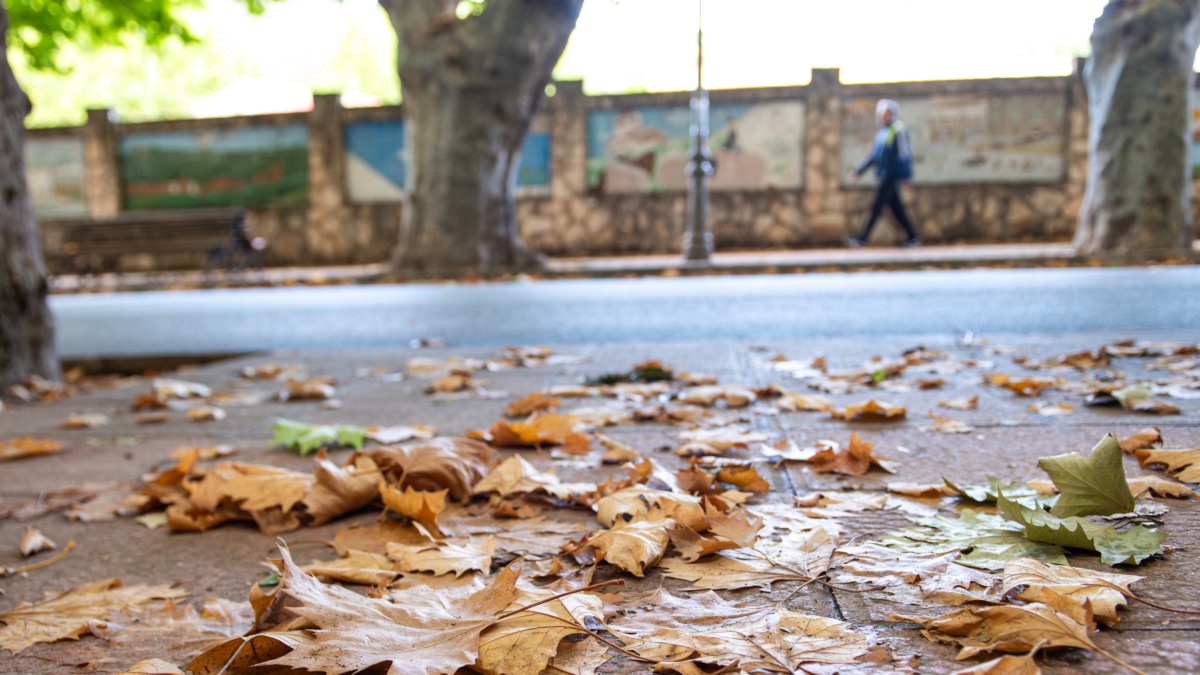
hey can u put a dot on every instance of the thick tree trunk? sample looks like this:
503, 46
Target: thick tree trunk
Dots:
1139, 165
26, 328
471, 87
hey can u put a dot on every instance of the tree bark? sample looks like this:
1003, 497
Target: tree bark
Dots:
1139, 167
26, 327
471, 87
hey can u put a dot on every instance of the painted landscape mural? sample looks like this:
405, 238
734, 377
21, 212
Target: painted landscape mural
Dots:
969, 139
55, 171
755, 146
249, 166
377, 161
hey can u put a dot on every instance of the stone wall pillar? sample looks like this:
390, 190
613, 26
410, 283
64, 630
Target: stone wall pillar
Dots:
1076, 150
824, 200
102, 179
326, 237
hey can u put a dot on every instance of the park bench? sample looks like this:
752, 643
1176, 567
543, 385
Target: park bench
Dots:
177, 239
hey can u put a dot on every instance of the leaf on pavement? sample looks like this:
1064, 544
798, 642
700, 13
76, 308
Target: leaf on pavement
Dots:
1182, 464
991, 540
1104, 590
871, 411
538, 429
921, 490
35, 542
638, 502
1161, 487
312, 389
616, 452
963, 403
947, 425
1050, 409
686, 635
1095, 486
1026, 386
526, 641
307, 438
427, 633
66, 615
1005, 665
732, 395
1010, 628
1026, 494
633, 547
400, 434
356, 567
1115, 547
531, 403
796, 402
454, 464
722, 439
797, 556
854, 460
516, 476
169, 388
744, 477
374, 537
443, 557
538, 536
422, 507
26, 446
152, 667
1145, 439
85, 421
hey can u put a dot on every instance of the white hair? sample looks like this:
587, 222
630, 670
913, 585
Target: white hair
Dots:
887, 104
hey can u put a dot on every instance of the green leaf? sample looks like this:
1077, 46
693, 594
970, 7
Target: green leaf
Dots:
306, 438
987, 494
1115, 547
1095, 486
990, 539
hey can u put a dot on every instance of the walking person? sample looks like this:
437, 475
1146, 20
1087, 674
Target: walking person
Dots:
892, 158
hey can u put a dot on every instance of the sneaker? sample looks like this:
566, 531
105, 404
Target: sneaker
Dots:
915, 241
853, 241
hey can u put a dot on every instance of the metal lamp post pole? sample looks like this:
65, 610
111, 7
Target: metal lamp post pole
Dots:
697, 237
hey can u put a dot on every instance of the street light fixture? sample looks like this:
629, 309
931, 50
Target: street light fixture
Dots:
697, 236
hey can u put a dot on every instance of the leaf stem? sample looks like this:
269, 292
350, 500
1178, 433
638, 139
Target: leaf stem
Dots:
1165, 609
526, 608
6, 571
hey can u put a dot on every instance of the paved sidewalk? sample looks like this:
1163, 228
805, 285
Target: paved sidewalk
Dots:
734, 262
374, 390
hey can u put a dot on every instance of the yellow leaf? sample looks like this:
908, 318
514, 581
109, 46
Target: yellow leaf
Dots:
633, 547
1105, 591
422, 507
531, 403
526, 641
1181, 464
871, 411
26, 446
443, 557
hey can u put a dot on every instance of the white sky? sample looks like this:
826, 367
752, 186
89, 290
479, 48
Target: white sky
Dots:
650, 44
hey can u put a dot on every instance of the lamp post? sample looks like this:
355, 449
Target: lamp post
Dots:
697, 237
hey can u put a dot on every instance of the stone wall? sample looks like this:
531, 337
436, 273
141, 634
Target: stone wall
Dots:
578, 215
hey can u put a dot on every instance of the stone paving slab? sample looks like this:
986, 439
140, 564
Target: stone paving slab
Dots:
227, 560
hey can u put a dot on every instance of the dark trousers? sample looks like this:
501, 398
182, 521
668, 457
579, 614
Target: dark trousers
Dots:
887, 194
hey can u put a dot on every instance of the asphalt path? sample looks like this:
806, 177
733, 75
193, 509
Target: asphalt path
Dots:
755, 308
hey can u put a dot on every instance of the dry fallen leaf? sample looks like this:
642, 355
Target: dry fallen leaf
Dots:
451, 463
921, 490
517, 476
312, 389
795, 402
1146, 439
526, 641
1161, 487
871, 411
400, 434
633, 547
1181, 464
733, 396
205, 413
168, 388
26, 446
947, 425
66, 615
152, 667
356, 567
855, 460
1028, 386
531, 403
1105, 591
1005, 665
422, 507
1048, 409
963, 403
85, 421
35, 542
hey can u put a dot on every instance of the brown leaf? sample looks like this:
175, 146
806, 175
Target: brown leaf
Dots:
1010, 628
639, 502
1145, 439
1028, 386
205, 413
400, 434
517, 476
452, 383
871, 411
35, 542
947, 425
443, 557
85, 421
152, 667
1161, 487
149, 400
531, 403
26, 446
312, 389
855, 460
538, 429
65, 615
373, 538
525, 642
422, 507
733, 396
356, 567
963, 403
1182, 464
745, 477
616, 452
633, 547
430, 633
1151, 406
1104, 591
454, 464
921, 490
1005, 665
794, 402
722, 439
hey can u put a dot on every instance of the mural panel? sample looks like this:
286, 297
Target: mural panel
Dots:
378, 158
249, 166
969, 139
756, 146
55, 172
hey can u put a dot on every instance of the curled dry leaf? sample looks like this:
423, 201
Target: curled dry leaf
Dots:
1161, 487
1105, 591
526, 641
796, 402
204, 453
1182, 464
35, 542
531, 403
1048, 409
723, 439
745, 477
423, 507
205, 413
1027, 386
616, 452
452, 383
638, 502
85, 421
1146, 439
152, 667
1058, 622
451, 463
871, 411
27, 446
733, 396
400, 434
151, 418
1005, 665
312, 389
854, 460
946, 425
633, 547
443, 557
517, 476
921, 490
963, 403
537, 429
168, 388
66, 615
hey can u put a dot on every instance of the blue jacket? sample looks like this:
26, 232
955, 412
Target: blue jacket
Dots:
892, 154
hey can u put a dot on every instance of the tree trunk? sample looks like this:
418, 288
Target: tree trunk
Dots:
471, 87
26, 327
1139, 165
